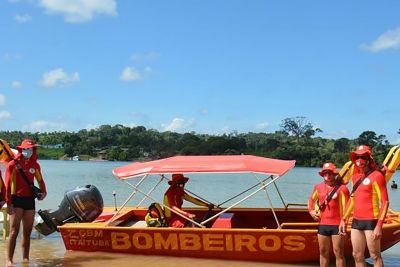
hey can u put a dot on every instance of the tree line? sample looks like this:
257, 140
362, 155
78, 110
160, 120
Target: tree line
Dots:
295, 140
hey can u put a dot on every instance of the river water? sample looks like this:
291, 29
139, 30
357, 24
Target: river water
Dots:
61, 176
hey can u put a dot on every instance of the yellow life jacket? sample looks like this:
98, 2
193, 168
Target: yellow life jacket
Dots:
155, 216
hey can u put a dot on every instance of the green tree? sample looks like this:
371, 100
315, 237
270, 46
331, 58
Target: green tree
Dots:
299, 127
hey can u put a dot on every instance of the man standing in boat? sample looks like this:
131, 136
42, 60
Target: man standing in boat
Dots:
326, 205
369, 200
173, 198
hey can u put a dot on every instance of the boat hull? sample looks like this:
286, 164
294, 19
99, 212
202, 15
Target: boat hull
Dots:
267, 245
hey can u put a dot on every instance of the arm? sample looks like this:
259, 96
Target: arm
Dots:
313, 208
2, 191
348, 207
40, 181
169, 200
344, 196
194, 200
10, 182
10, 185
380, 187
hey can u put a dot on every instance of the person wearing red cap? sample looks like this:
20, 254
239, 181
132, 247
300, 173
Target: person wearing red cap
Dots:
20, 197
369, 203
328, 211
2, 192
173, 198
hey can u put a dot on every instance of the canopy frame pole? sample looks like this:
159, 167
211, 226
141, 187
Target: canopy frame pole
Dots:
240, 201
241, 193
270, 201
280, 196
166, 207
150, 192
128, 199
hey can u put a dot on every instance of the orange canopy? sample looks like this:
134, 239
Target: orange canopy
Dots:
206, 164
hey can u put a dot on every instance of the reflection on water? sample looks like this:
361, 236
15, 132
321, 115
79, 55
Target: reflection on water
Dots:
50, 252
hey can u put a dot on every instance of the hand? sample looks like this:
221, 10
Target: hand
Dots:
191, 216
10, 209
342, 227
41, 196
315, 215
377, 232
210, 206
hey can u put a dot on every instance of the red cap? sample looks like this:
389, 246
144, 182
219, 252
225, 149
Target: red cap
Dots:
178, 177
27, 143
361, 150
328, 167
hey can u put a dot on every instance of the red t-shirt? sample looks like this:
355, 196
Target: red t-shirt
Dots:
16, 184
370, 200
332, 213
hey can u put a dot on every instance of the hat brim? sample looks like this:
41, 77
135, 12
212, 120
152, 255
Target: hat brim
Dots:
184, 180
353, 154
26, 147
321, 173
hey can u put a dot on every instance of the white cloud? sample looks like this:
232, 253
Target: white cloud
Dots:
79, 11
2, 99
4, 115
204, 111
262, 125
130, 74
91, 126
387, 40
23, 18
58, 77
16, 84
11, 57
177, 124
139, 57
43, 126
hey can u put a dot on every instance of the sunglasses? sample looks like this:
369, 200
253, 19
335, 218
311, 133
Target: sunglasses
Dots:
362, 157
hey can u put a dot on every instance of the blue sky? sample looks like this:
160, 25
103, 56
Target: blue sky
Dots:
205, 66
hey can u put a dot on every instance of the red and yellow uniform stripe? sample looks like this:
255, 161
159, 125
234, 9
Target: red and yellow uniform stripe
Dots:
333, 212
370, 200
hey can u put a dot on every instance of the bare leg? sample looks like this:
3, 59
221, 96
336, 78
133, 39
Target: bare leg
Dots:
374, 248
359, 242
15, 221
324, 243
27, 223
338, 249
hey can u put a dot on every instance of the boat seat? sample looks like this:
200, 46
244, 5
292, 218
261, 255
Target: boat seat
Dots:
223, 221
139, 224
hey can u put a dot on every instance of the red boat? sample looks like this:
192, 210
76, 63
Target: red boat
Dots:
230, 231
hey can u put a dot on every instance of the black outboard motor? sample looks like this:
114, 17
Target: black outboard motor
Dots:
83, 204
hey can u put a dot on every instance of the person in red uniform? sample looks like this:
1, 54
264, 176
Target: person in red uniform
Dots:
2, 192
369, 203
173, 198
20, 198
329, 214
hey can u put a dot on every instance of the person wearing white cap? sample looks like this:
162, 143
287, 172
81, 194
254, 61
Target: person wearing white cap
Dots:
326, 205
369, 203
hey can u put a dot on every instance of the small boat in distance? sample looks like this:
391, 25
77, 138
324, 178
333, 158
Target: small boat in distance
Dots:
230, 231
76, 158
